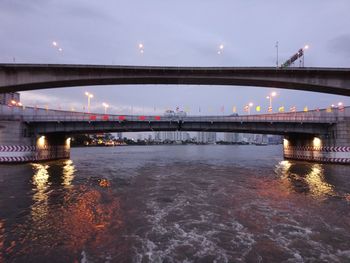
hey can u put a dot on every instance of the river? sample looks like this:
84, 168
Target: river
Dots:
205, 203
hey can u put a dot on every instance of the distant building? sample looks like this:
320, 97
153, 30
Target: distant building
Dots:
120, 135
12, 98
172, 136
206, 137
232, 137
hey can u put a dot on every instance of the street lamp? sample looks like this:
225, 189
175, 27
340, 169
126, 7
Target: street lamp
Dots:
304, 48
221, 49
273, 94
90, 96
141, 48
105, 105
249, 106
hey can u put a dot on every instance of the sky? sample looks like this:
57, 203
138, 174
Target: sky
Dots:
175, 33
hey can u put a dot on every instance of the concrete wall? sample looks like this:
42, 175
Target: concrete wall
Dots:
15, 143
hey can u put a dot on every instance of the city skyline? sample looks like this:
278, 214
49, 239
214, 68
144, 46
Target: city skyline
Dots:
216, 34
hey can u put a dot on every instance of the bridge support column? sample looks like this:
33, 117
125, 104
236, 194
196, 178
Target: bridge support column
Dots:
52, 147
17, 145
333, 147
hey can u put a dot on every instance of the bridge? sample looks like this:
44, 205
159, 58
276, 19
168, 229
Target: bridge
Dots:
22, 77
34, 134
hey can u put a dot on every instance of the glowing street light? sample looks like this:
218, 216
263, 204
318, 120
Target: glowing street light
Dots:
89, 96
221, 49
273, 94
306, 47
249, 106
141, 48
105, 105
55, 45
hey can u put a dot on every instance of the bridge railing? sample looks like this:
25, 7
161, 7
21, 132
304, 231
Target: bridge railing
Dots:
32, 114
128, 118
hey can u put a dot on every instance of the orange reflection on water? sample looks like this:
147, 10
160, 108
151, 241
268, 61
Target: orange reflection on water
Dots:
92, 221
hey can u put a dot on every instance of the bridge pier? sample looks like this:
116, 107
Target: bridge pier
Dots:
333, 147
18, 145
52, 147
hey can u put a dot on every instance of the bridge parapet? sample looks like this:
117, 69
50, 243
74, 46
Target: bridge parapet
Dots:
31, 114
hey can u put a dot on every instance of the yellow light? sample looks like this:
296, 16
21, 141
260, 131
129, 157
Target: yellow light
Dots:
68, 140
68, 173
41, 141
317, 142
13, 102
285, 143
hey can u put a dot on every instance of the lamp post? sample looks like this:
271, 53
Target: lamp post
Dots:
273, 94
249, 106
89, 96
304, 48
221, 49
276, 54
141, 48
105, 105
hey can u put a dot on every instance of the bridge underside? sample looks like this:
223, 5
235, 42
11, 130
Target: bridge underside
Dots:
21, 77
142, 126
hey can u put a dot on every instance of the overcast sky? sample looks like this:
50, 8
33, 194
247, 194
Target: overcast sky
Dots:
175, 33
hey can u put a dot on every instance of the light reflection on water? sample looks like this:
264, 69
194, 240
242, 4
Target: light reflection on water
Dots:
174, 204
68, 173
40, 197
305, 177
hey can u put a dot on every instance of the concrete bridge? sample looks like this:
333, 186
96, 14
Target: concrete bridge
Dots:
36, 134
21, 77
31, 134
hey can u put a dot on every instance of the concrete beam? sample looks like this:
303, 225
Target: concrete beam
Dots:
21, 77
141, 126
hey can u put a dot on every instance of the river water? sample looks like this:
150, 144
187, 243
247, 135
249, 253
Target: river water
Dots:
175, 204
